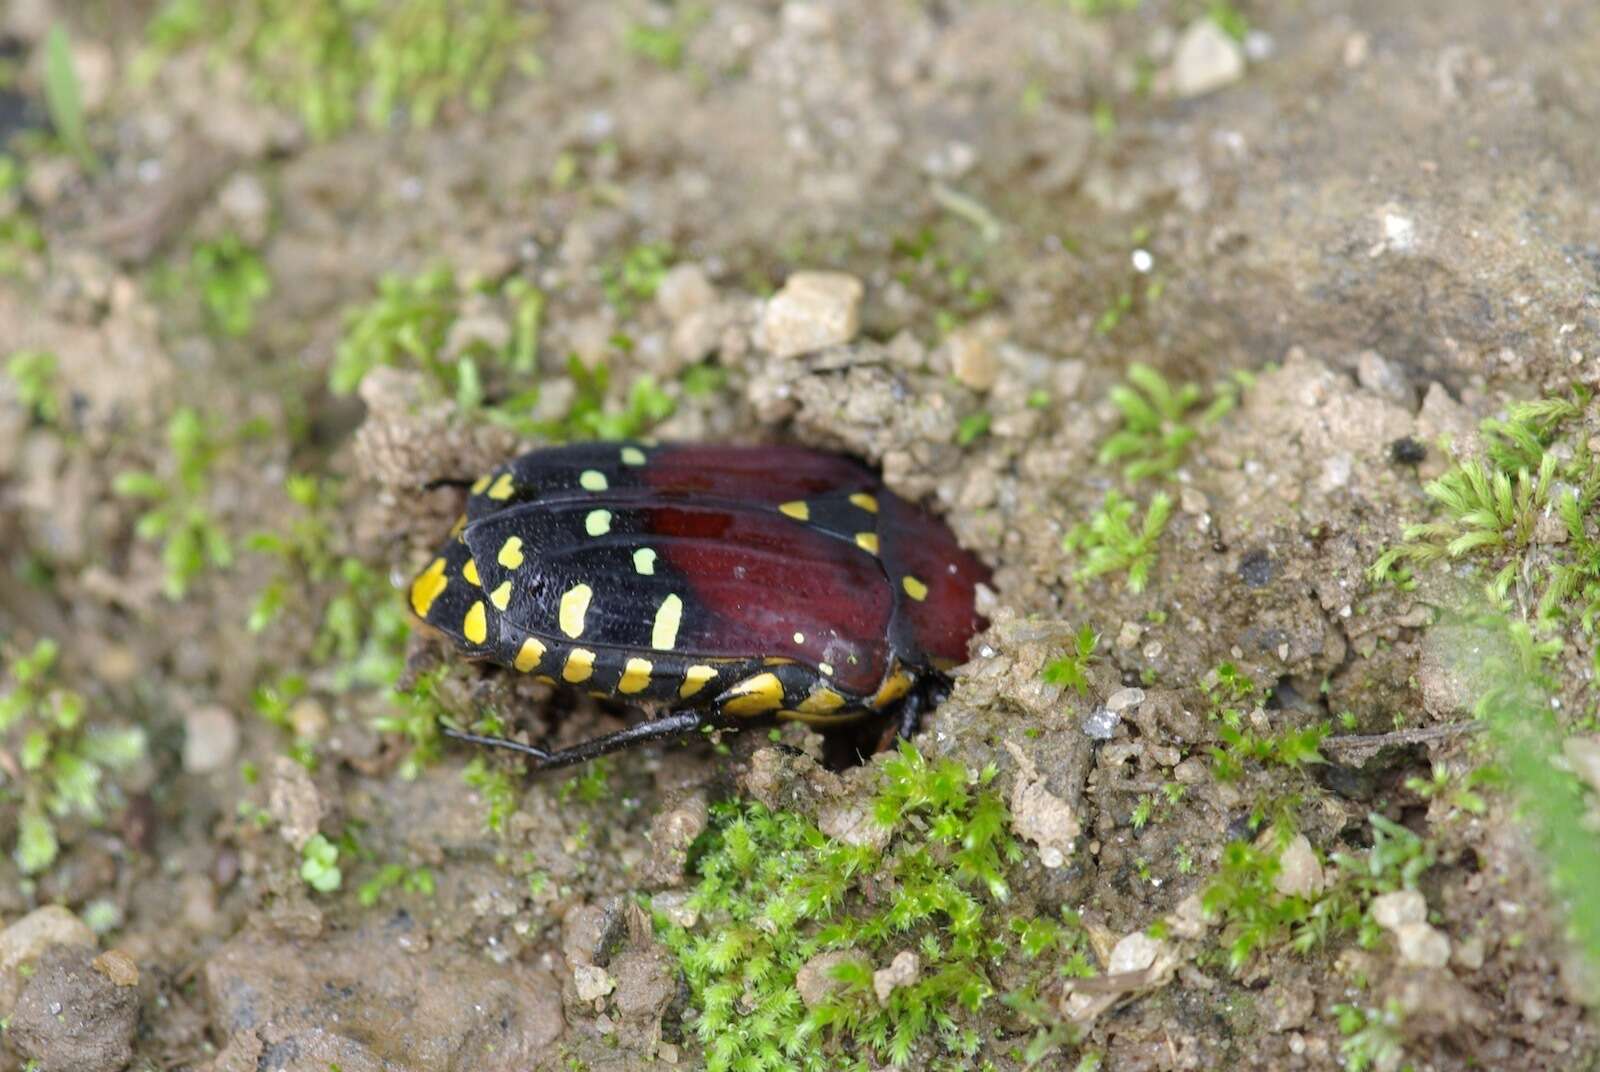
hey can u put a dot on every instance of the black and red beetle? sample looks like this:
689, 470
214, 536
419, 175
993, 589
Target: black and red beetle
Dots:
721, 583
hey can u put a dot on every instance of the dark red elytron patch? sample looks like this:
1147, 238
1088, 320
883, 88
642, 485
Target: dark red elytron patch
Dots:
779, 588
921, 547
753, 474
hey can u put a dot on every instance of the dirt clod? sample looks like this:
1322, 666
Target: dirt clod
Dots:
72, 1018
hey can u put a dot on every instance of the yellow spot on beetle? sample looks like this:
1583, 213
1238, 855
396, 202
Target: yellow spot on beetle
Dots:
635, 676
868, 542
664, 634
632, 456
470, 572
501, 489
797, 510
579, 665
574, 606
894, 686
475, 626
821, 702
501, 597
644, 562
826, 668
459, 527
481, 483
528, 655
914, 588
592, 480
598, 523
426, 588
866, 502
755, 695
510, 555
695, 679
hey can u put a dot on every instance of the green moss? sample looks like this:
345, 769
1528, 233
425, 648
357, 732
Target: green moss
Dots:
231, 280
177, 510
64, 754
20, 237
1491, 507
1232, 697
1159, 422
1072, 669
1255, 916
336, 61
319, 865
359, 629
1110, 542
33, 373
409, 322
773, 892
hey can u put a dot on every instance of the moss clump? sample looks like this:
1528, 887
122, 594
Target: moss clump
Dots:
408, 325
334, 61
1113, 540
775, 892
63, 756
1159, 422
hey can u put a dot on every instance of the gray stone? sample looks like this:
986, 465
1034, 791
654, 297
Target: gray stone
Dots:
1422, 946
1299, 870
210, 739
1392, 910
1206, 60
72, 1018
814, 310
27, 939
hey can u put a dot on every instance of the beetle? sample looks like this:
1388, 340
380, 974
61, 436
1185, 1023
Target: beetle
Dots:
718, 583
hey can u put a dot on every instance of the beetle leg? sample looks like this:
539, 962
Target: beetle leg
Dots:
677, 724
930, 692
446, 482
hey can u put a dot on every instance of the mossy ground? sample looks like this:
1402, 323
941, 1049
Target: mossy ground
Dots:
1235, 434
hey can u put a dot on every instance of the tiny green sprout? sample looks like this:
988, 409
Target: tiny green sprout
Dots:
232, 280
972, 427
1109, 543
1373, 1037
418, 880
590, 785
34, 374
1157, 422
1229, 19
319, 864
664, 45
635, 277
63, 754
1457, 791
63, 95
498, 791
177, 513
336, 61
1039, 398
1142, 810
1072, 670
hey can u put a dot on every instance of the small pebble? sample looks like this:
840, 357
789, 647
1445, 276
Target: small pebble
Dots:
814, 310
1299, 870
1207, 59
683, 291
903, 970
1422, 946
210, 739
1101, 724
1124, 700
1391, 910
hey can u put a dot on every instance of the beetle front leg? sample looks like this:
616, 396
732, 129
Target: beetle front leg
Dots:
668, 727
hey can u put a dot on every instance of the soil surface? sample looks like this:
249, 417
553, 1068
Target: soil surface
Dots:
1369, 225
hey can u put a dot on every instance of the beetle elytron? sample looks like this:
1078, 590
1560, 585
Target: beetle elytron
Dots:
718, 582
